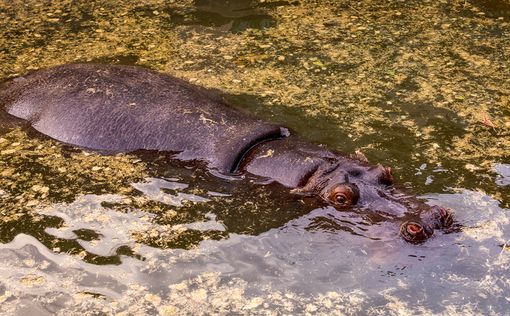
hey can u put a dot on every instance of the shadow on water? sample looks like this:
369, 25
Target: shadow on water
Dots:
320, 129
236, 15
116, 59
494, 8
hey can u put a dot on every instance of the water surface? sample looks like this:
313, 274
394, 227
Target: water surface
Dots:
418, 85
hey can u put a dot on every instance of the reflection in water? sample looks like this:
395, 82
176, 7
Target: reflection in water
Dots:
296, 268
112, 228
153, 190
494, 8
503, 171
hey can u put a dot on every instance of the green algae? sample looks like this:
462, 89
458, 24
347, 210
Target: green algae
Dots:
410, 83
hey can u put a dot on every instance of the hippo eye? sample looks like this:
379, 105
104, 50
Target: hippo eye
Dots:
341, 199
344, 195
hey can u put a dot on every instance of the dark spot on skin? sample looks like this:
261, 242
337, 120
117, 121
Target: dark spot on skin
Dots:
355, 172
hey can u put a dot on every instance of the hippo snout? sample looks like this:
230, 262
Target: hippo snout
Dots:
420, 230
438, 217
445, 217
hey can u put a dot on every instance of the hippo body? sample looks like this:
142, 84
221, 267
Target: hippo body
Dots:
128, 108
122, 109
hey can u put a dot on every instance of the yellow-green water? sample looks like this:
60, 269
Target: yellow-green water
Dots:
422, 86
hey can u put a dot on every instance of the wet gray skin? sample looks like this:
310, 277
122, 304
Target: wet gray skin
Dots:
346, 183
125, 108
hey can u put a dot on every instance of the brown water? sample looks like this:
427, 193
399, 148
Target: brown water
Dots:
418, 85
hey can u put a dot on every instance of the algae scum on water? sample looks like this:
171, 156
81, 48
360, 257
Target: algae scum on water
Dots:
422, 86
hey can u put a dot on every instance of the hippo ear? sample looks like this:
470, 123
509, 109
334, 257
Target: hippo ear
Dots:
358, 155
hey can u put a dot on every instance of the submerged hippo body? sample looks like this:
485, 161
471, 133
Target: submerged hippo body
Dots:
126, 108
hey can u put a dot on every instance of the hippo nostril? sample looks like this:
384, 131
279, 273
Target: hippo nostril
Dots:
413, 229
414, 232
445, 217
441, 217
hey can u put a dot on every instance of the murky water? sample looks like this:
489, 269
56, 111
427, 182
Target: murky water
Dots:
421, 86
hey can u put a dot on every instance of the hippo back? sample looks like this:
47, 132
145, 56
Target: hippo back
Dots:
126, 108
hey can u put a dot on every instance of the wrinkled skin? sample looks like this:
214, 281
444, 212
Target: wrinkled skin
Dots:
125, 108
345, 183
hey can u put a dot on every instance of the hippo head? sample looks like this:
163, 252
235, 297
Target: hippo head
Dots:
347, 183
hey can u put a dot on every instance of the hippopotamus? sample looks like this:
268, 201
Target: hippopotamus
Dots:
118, 108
